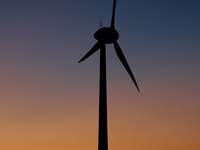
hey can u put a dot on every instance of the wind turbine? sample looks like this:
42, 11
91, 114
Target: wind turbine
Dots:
106, 35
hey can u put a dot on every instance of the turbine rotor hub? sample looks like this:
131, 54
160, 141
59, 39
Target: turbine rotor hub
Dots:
106, 35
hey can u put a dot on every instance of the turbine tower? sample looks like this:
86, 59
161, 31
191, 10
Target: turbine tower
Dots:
106, 35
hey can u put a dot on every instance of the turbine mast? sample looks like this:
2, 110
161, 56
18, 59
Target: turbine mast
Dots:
103, 131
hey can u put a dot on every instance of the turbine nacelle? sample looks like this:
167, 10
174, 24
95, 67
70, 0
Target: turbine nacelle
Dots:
106, 35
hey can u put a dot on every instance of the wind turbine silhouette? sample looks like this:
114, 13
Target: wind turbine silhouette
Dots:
106, 35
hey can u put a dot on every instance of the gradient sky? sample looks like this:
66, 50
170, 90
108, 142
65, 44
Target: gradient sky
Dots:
50, 102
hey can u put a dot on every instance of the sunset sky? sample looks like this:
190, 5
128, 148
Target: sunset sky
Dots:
50, 102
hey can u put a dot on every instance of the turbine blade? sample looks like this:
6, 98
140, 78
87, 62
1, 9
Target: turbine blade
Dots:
93, 49
124, 62
113, 15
